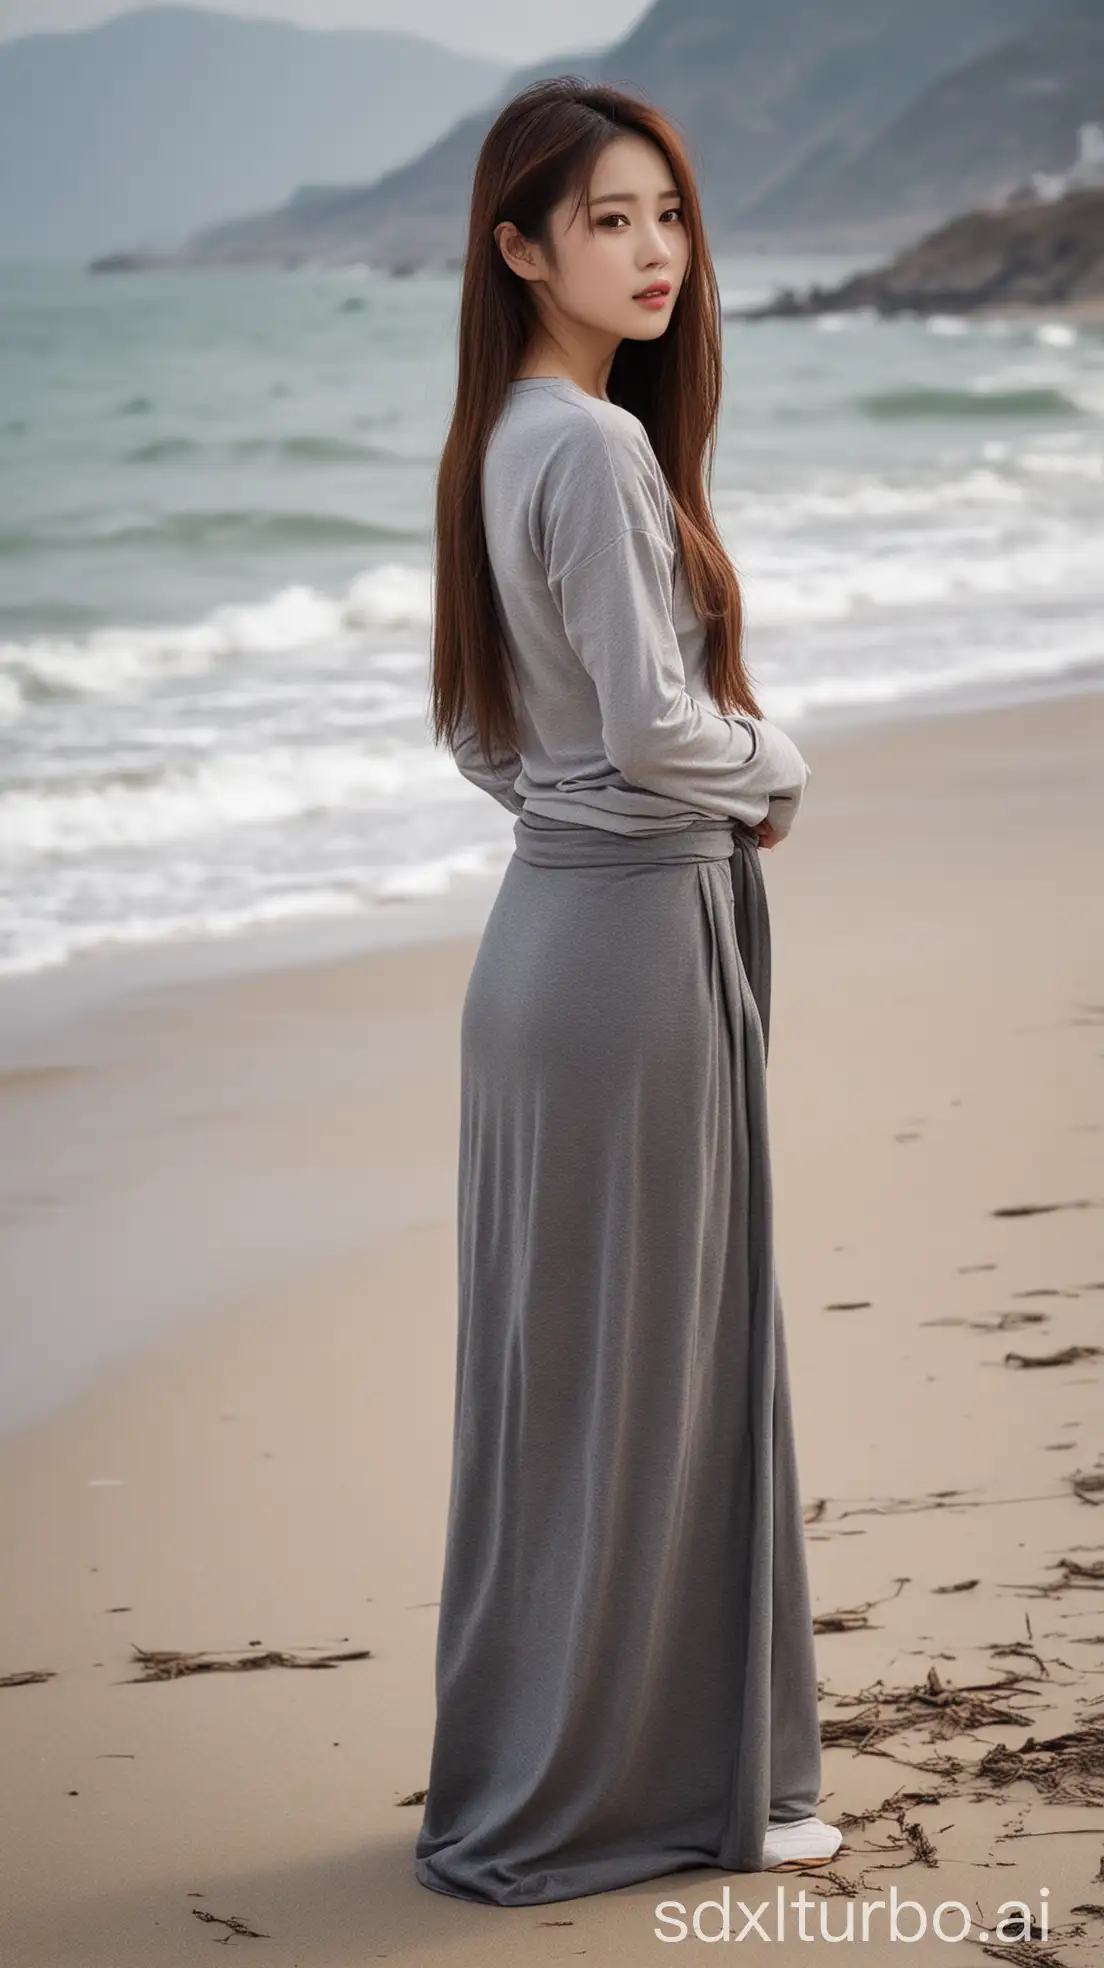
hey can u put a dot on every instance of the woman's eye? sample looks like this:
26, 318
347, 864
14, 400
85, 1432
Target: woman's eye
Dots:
611, 218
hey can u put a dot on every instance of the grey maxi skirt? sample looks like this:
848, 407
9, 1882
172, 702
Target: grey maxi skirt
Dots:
625, 1672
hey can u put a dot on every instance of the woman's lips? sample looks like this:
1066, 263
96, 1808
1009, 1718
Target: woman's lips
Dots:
652, 300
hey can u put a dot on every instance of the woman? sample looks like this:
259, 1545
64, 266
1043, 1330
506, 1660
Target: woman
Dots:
626, 1682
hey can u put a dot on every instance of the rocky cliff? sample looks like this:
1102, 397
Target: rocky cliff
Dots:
1030, 253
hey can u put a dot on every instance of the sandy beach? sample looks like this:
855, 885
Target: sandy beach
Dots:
1087, 311
227, 1280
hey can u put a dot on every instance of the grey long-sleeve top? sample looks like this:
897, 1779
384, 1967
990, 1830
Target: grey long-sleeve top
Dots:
617, 725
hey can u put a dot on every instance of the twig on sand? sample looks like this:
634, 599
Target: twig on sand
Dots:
1065, 1356
232, 1924
853, 1619
946, 1710
1065, 1769
164, 1664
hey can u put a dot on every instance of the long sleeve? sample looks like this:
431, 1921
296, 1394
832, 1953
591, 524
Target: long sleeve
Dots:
782, 808
610, 557
617, 615
497, 777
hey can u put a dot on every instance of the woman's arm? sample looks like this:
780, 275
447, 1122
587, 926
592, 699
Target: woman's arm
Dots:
782, 809
617, 614
495, 777
610, 559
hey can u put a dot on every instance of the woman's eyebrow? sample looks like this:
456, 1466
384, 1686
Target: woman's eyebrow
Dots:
632, 197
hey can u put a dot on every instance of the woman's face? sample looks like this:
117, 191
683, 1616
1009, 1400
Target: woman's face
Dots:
628, 235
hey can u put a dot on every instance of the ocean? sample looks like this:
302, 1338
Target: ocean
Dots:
215, 520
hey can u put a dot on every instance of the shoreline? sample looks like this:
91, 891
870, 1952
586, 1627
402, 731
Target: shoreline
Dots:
1088, 311
228, 1299
131, 1044
36, 1002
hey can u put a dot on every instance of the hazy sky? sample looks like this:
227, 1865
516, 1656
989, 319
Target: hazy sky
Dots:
513, 30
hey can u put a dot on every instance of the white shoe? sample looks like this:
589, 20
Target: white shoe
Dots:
807, 1841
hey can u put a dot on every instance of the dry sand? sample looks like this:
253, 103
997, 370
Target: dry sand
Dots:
1087, 311
229, 1244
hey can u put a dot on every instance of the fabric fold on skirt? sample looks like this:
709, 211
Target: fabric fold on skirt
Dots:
625, 1670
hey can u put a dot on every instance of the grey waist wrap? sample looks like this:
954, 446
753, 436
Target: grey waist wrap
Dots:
625, 1671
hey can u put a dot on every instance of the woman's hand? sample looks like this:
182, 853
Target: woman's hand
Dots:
768, 834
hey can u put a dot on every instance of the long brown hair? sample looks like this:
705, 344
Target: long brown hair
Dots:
543, 145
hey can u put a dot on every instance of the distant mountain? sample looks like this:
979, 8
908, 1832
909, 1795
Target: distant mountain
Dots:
1035, 253
762, 94
163, 121
967, 139
414, 215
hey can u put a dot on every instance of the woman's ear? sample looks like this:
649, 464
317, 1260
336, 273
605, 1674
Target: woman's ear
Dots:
521, 258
